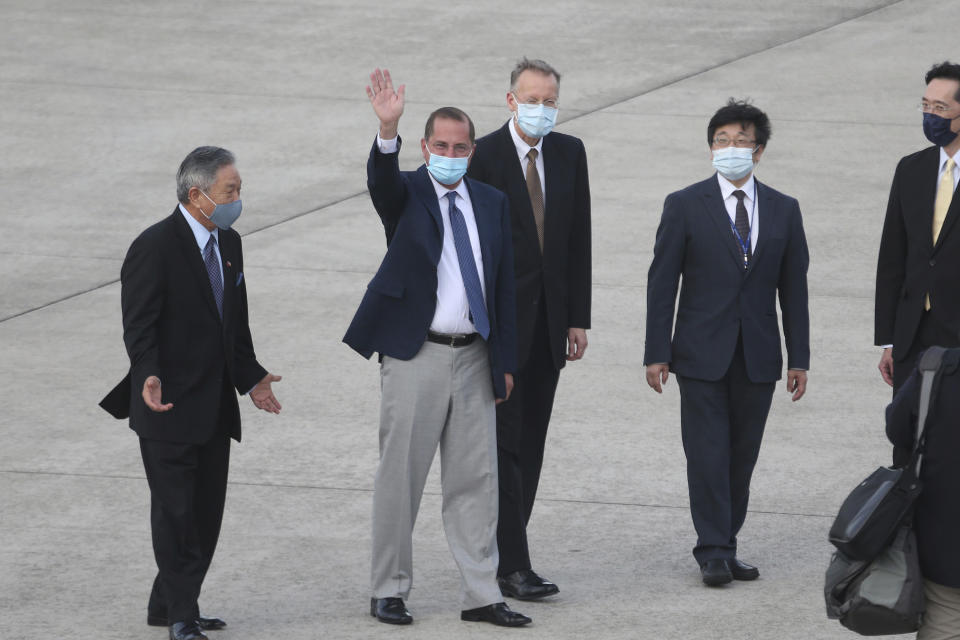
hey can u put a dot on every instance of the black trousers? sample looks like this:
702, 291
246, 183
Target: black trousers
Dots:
188, 486
722, 426
930, 333
521, 433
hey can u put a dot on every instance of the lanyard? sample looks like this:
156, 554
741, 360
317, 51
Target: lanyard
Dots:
745, 244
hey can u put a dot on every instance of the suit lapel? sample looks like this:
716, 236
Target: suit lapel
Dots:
228, 258
486, 230
517, 187
922, 190
765, 208
423, 188
194, 261
713, 202
552, 182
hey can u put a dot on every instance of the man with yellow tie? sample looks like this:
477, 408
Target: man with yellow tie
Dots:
918, 269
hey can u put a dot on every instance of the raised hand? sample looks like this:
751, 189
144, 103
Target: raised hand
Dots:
387, 103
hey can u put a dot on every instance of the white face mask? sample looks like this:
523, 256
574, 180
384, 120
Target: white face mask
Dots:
535, 120
733, 163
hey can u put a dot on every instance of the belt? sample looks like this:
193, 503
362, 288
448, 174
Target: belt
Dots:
456, 340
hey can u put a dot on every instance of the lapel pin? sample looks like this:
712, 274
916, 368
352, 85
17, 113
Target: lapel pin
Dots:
228, 264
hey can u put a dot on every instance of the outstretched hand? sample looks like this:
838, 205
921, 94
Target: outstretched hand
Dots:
151, 395
387, 103
262, 394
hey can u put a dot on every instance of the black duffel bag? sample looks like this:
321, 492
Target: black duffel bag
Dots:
871, 515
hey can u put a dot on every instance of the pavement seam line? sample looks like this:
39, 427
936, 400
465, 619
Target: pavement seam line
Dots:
582, 114
435, 494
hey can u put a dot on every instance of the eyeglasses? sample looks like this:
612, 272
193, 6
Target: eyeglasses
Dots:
938, 109
723, 141
550, 102
459, 150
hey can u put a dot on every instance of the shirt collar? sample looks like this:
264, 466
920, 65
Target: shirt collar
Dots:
727, 188
200, 232
442, 190
522, 147
944, 157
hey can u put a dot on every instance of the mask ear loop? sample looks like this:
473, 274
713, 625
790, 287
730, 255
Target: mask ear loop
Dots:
211, 200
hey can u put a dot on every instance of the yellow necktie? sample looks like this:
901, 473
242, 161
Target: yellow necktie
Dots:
940, 206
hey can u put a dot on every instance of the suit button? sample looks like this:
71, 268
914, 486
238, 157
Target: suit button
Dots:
932, 262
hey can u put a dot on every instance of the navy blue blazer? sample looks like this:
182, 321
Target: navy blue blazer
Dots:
719, 300
398, 306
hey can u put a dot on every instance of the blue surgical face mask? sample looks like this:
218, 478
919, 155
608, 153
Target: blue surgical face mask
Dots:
535, 120
446, 170
224, 215
733, 163
937, 129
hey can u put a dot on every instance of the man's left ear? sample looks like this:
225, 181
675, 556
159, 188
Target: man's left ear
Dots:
758, 152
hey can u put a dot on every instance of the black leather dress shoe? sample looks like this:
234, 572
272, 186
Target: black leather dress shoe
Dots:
742, 570
526, 585
715, 572
498, 614
186, 631
207, 624
390, 610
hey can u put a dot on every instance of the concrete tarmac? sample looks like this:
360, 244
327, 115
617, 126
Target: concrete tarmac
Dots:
99, 103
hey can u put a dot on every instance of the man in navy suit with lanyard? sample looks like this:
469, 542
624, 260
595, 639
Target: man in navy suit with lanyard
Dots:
738, 245
440, 311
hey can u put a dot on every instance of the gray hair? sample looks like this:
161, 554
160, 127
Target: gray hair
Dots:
531, 65
199, 169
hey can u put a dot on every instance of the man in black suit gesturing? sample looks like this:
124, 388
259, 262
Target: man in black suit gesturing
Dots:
738, 245
544, 174
917, 305
184, 303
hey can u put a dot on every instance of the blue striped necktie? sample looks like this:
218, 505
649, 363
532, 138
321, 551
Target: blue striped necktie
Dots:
213, 271
468, 269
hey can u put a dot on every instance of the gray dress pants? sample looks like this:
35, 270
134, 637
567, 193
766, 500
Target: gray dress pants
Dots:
442, 396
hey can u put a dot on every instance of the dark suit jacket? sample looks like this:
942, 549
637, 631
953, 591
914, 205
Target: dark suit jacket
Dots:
562, 272
172, 330
909, 265
937, 515
397, 309
719, 299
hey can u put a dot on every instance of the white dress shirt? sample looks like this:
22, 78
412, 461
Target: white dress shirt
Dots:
750, 202
943, 165
452, 314
203, 236
522, 150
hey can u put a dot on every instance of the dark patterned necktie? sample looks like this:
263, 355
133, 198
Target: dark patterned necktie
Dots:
213, 271
468, 269
742, 223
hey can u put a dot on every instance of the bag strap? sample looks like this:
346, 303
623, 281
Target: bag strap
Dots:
929, 366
